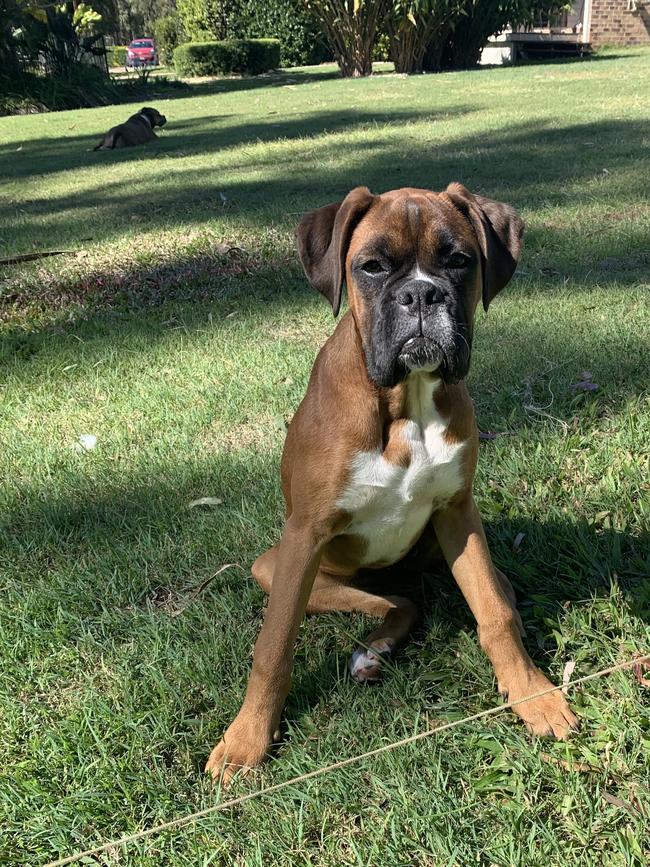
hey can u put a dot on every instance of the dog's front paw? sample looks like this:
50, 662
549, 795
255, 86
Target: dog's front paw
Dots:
244, 745
548, 715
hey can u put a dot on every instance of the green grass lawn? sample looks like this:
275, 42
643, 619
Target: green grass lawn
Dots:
181, 335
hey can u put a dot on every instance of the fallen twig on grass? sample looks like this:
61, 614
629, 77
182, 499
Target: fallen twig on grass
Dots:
31, 257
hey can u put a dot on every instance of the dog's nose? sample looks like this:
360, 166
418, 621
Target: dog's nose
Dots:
418, 296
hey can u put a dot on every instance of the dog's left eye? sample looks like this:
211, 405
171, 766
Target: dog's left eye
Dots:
458, 260
372, 266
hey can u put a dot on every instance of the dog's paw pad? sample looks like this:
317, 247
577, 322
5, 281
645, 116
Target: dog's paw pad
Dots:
365, 663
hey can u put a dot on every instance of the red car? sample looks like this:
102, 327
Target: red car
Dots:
141, 52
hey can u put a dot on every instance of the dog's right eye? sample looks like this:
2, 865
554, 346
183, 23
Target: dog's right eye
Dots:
372, 266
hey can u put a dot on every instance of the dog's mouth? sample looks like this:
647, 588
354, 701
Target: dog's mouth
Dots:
162, 120
420, 354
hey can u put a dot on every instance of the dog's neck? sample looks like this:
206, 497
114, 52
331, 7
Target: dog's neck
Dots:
146, 117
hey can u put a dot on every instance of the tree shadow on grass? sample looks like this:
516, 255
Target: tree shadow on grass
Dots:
204, 134
131, 307
530, 165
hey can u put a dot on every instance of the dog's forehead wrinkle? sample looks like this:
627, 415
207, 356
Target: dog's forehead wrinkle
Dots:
398, 221
413, 218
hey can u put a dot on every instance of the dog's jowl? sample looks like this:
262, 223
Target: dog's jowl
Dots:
379, 460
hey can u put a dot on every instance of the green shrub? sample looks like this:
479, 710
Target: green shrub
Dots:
209, 58
207, 16
83, 86
381, 48
290, 21
477, 20
167, 35
263, 54
226, 56
203, 36
116, 55
301, 42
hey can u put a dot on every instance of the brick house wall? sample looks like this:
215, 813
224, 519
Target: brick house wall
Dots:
613, 23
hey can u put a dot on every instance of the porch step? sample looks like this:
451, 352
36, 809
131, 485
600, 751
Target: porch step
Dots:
537, 50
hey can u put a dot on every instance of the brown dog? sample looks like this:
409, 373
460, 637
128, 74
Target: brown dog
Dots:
138, 129
382, 451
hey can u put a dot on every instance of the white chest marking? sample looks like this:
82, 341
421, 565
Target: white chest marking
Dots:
390, 504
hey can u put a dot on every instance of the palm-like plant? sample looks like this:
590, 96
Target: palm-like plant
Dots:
350, 28
415, 26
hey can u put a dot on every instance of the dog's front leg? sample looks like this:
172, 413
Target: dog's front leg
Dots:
249, 737
461, 536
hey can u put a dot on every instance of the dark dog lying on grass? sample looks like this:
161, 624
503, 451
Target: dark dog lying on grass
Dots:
138, 129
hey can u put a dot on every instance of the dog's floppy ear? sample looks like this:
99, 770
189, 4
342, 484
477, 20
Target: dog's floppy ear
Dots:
499, 230
323, 238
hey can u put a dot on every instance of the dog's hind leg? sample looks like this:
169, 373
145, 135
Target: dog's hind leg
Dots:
329, 593
107, 143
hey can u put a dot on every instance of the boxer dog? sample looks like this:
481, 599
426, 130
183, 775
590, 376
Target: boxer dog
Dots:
380, 456
138, 129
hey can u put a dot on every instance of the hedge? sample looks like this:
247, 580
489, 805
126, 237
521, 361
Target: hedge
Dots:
263, 54
226, 56
301, 41
116, 55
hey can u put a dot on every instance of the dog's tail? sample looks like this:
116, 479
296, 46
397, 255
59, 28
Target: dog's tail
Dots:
99, 146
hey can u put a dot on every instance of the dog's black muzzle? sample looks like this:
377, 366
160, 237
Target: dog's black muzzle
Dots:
421, 326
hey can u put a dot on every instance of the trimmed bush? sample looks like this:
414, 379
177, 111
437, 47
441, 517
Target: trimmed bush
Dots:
209, 58
116, 55
263, 54
227, 56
